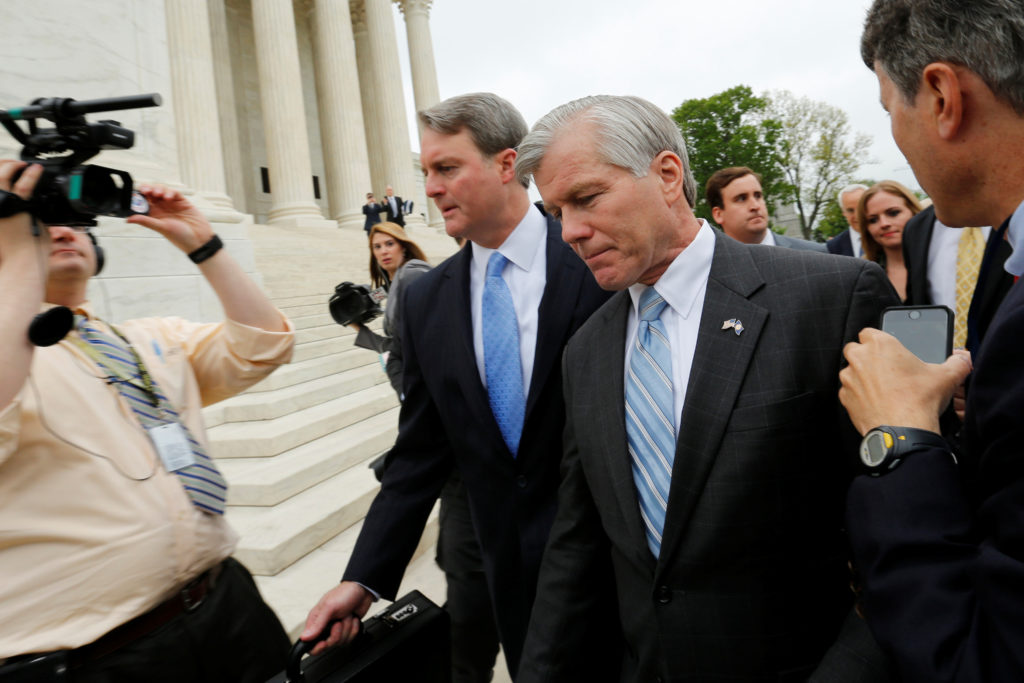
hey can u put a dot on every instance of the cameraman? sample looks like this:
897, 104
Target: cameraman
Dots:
114, 551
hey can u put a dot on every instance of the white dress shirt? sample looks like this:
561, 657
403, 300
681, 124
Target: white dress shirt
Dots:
683, 287
769, 238
526, 275
1015, 234
942, 251
855, 242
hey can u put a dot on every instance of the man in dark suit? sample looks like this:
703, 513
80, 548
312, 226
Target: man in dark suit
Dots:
938, 540
847, 243
725, 542
930, 254
371, 209
738, 206
455, 414
393, 206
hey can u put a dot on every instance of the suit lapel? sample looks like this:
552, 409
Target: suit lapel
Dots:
459, 320
720, 363
564, 277
916, 256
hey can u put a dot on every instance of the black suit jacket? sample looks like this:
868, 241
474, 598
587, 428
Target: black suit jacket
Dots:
752, 581
940, 545
917, 238
841, 244
397, 216
372, 213
446, 422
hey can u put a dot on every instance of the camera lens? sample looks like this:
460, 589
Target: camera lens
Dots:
914, 315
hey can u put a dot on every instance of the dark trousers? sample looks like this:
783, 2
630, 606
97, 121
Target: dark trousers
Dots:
474, 634
232, 636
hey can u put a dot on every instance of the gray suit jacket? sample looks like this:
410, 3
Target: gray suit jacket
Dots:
752, 582
796, 243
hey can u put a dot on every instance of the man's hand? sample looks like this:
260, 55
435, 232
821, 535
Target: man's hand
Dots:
174, 217
960, 395
345, 604
885, 384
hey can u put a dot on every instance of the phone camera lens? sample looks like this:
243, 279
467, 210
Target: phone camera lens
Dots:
914, 315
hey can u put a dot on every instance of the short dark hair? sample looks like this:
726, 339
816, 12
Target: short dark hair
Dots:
985, 36
722, 177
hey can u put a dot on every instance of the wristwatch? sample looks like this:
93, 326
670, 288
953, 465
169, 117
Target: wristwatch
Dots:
883, 448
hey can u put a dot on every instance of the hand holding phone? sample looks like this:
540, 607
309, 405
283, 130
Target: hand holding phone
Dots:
927, 331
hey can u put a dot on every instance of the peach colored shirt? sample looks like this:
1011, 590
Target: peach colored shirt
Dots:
93, 530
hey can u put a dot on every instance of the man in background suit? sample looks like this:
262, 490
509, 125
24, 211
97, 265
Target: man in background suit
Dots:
726, 542
371, 209
394, 206
738, 206
930, 253
939, 542
847, 243
453, 415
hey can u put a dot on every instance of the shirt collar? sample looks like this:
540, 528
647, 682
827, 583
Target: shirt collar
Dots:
685, 278
769, 238
1015, 233
520, 247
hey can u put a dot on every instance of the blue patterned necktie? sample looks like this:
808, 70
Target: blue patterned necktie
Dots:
502, 364
202, 480
650, 426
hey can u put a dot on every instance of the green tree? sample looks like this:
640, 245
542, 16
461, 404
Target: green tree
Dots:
731, 129
819, 153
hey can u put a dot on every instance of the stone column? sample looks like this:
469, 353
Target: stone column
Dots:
234, 176
372, 124
341, 116
424, 73
195, 107
284, 120
386, 89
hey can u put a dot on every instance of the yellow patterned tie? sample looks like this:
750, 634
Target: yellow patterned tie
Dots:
968, 260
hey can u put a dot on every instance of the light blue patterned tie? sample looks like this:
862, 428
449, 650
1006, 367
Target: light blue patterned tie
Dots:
502, 364
650, 426
202, 480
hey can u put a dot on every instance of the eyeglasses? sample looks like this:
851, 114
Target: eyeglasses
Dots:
76, 228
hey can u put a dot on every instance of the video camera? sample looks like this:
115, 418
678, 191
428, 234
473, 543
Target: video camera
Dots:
69, 193
353, 304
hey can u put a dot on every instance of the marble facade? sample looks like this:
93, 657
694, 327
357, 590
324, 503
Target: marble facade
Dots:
285, 91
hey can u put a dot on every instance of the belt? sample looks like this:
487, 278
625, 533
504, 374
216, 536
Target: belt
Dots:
185, 600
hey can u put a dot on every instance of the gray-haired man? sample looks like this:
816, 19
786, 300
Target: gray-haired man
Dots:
704, 455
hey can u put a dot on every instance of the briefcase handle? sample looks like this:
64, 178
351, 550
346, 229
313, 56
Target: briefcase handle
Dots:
301, 648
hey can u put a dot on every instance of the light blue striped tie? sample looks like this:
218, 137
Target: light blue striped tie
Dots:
650, 426
202, 480
502, 364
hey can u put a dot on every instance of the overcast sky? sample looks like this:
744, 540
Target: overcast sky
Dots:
541, 53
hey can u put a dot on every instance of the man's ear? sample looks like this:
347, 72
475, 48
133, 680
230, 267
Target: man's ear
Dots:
942, 85
669, 168
716, 215
506, 161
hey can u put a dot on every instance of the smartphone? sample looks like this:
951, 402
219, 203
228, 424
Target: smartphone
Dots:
926, 330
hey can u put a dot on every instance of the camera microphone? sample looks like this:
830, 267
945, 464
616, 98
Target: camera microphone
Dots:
49, 327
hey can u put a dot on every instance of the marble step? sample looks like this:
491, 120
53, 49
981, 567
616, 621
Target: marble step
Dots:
321, 347
273, 538
268, 405
269, 481
307, 309
297, 372
304, 321
270, 437
320, 332
293, 591
312, 298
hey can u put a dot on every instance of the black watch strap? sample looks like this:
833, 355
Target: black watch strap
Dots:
11, 204
207, 250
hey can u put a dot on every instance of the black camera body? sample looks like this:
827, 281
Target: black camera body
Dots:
353, 304
68, 192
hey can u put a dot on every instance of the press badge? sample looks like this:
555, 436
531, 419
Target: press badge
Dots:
172, 446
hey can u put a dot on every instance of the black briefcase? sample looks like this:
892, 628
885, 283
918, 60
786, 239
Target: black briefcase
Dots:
408, 641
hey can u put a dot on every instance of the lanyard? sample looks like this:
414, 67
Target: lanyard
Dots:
149, 387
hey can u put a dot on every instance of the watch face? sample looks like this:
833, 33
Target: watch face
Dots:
874, 447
